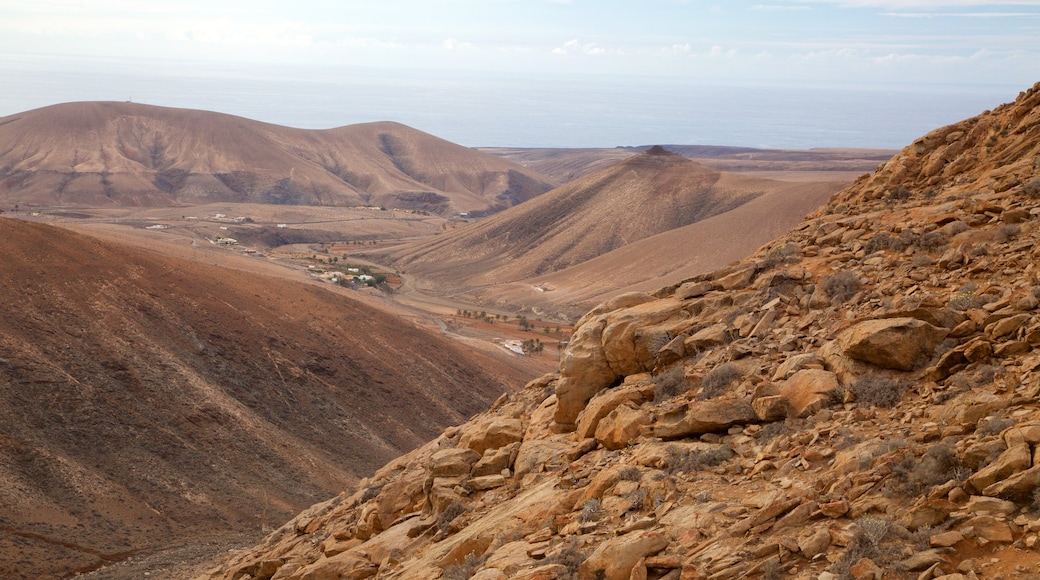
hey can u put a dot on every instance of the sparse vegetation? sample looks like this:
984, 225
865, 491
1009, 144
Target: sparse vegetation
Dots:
463, 570
591, 511
630, 473
1007, 232
716, 381
965, 298
900, 193
697, 460
939, 464
868, 542
670, 383
878, 390
1031, 189
570, 557
452, 511
841, 286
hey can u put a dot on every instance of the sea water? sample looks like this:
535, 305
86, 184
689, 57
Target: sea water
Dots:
497, 109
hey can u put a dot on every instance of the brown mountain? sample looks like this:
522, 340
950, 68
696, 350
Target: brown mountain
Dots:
608, 211
106, 153
150, 401
859, 399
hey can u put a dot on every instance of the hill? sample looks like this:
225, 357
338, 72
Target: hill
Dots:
604, 212
151, 402
858, 399
105, 153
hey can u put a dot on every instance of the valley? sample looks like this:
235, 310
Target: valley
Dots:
291, 330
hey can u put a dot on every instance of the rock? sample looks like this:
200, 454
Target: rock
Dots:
495, 460
892, 343
815, 543
807, 391
621, 426
977, 503
866, 569
713, 335
738, 279
615, 558
696, 417
923, 560
487, 482
545, 572
345, 566
796, 363
692, 290
1017, 457
990, 528
1019, 486
834, 509
452, 462
491, 433
945, 539
770, 408
602, 404
1006, 326
539, 455
584, 371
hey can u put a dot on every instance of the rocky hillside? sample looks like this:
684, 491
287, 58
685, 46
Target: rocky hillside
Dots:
151, 402
859, 399
103, 154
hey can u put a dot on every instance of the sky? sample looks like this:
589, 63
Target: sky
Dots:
968, 46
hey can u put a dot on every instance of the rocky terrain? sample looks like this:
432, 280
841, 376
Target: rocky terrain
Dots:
858, 399
108, 154
151, 402
519, 258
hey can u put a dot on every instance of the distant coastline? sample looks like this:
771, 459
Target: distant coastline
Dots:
500, 111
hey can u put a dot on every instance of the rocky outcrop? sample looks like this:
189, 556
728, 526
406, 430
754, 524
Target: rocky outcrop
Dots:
857, 400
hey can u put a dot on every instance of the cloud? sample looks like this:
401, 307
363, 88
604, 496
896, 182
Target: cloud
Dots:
574, 47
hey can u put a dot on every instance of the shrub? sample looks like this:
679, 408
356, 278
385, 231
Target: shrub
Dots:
965, 298
866, 543
454, 510
630, 473
878, 391
1032, 189
899, 193
716, 381
591, 511
570, 557
885, 242
841, 286
933, 241
670, 383
697, 460
782, 255
1007, 232
463, 570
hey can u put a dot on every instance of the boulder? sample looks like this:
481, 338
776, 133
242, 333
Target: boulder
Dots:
345, 566
491, 433
615, 558
621, 426
602, 404
452, 462
584, 371
713, 335
807, 391
495, 460
692, 290
891, 343
697, 417
1018, 457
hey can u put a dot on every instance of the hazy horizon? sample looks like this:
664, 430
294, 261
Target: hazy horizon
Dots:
502, 110
540, 73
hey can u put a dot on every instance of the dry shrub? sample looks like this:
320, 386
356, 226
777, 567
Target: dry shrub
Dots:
670, 383
1008, 232
878, 391
454, 510
570, 557
1032, 189
463, 570
716, 381
591, 511
697, 460
841, 286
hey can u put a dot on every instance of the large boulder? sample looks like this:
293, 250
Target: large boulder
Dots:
615, 558
602, 404
807, 391
891, 343
697, 417
491, 433
621, 426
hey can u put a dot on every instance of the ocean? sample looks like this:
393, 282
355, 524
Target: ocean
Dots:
495, 109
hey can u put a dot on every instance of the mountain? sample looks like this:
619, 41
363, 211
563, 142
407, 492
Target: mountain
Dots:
858, 399
151, 401
608, 211
107, 153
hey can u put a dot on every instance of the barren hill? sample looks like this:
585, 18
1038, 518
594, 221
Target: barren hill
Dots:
859, 399
107, 153
150, 401
606, 212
